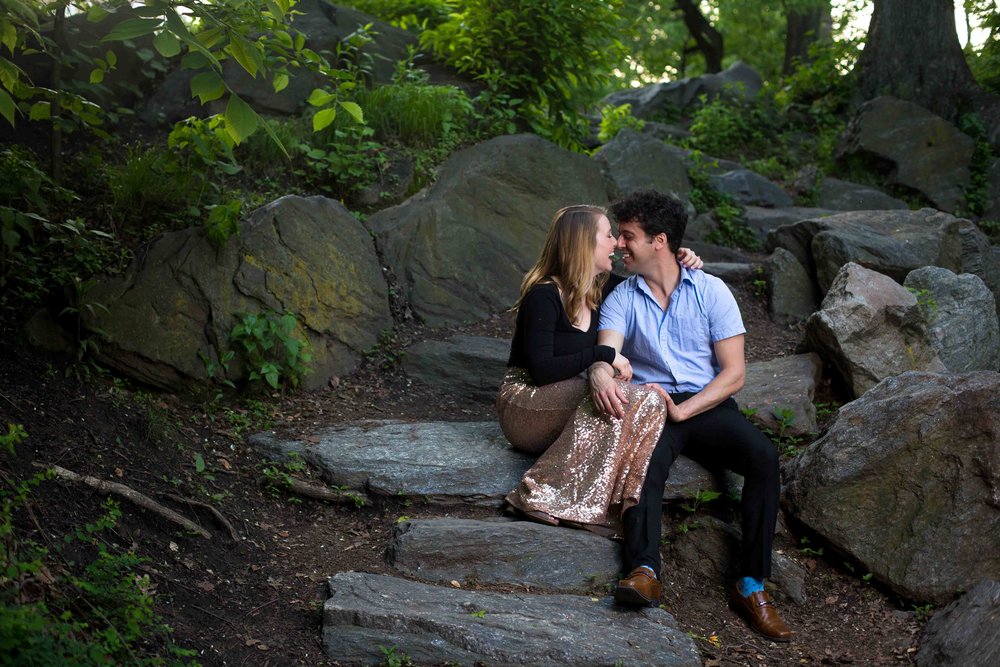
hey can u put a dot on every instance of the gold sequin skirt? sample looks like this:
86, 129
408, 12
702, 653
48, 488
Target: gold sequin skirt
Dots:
594, 470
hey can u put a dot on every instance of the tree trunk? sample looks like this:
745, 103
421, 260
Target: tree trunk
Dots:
912, 52
706, 37
805, 27
55, 110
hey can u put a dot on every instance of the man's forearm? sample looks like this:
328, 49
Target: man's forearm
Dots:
725, 384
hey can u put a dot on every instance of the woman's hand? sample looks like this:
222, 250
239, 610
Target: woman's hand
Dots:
623, 367
689, 259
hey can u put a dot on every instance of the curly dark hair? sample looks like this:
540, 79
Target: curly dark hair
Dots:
655, 213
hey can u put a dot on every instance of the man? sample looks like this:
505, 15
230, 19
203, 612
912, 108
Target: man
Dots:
683, 333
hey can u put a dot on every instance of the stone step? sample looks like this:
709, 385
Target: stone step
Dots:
436, 462
435, 625
504, 552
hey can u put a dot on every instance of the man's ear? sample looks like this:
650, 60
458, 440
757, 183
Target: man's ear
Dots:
661, 240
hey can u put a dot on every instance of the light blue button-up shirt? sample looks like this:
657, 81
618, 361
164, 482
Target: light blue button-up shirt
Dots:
674, 349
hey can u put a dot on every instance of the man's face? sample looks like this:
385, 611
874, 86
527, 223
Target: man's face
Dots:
636, 246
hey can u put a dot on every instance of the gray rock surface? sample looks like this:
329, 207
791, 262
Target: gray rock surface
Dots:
846, 196
737, 81
870, 328
906, 481
750, 189
434, 625
633, 161
786, 383
791, 292
966, 633
890, 242
731, 272
182, 297
504, 552
960, 312
763, 220
992, 194
469, 365
460, 248
439, 462
927, 153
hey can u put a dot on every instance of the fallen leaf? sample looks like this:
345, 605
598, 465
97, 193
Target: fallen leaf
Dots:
206, 586
455, 583
312, 439
283, 533
224, 463
251, 642
173, 547
119, 472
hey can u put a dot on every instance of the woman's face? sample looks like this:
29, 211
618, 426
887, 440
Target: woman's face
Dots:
604, 246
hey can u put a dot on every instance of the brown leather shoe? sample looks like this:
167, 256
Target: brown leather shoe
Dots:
640, 588
759, 611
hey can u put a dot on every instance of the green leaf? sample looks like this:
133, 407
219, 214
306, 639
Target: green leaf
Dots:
241, 120
354, 109
40, 111
176, 26
97, 75
96, 13
7, 106
167, 44
275, 139
323, 118
275, 9
9, 74
199, 463
280, 82
246, 54
8, 35
207, 86
111, 57
132, 28
320, 98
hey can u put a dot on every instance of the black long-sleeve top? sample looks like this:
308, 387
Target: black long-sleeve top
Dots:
546, 342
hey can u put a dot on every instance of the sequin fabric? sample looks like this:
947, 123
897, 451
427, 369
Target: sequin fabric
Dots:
532, 417
594, 470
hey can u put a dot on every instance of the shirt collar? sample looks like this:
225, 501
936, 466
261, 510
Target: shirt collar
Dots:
642, 286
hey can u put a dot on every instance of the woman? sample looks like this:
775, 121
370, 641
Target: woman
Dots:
592, 468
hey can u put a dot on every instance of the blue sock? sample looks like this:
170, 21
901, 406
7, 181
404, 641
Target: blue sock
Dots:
651, 571
748, 585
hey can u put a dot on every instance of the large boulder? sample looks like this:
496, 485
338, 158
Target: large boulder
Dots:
179, 301
460, 248
870, 328
791, 291
633, 161
738, 81
846, 196
906, 481
472, 366
966, 633
925, 152
961, 317
890, 242
750, 189
780, 393
763, 220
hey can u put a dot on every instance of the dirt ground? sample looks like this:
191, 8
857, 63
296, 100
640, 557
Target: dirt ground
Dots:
255, 597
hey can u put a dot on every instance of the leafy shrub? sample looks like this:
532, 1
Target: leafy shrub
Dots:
729, 128
407, 14
615, 119
343, 159
551, 54
150, 185
977, 194
416, 114
270, 348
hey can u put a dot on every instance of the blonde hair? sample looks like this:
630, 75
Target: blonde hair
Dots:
568, 259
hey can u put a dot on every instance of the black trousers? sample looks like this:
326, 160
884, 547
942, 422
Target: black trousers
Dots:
720, 438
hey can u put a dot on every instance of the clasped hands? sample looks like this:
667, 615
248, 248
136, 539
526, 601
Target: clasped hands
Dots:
606, 386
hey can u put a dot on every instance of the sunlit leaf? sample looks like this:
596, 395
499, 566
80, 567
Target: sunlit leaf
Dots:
323, 118
280, 82
320, 98
245, 54
97, 75
207, 86
167, 44
8, 35
241, 120
111, 57
132, 28
40, 111
354, 110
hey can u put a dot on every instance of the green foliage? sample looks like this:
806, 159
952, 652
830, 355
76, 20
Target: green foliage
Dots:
541, 57
408, 14
731, 230
924, 297
50, 615
15, 435
977, 194
343, 159
807, 550
985, 64
614, 119
393, 658
223, 221
787, 443
726, 127
270, 348
150, 185
417, 114
702, 497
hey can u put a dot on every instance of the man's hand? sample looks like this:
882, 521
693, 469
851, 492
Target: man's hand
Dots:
674, 411
607, 394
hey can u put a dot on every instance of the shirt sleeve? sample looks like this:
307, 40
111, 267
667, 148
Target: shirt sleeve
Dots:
614, 311
724, 316
542, 311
